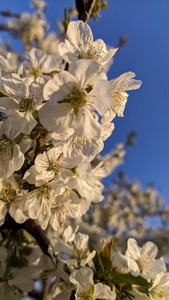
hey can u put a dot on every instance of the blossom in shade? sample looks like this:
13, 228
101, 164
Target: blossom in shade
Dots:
78, 249
11, 157
141, 261
85, 287
160, 288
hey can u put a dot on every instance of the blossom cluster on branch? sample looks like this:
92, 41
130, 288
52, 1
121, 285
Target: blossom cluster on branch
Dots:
57, 109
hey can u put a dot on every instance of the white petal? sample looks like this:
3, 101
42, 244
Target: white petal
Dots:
30, 175
7, 105
36, 57
4, 65
133, 249
110, 53
100, 96
79, 33
85, 125
68, 51
21, 123
58, 87
14, 86
82, 278
125, 82
102, 291
133, 266
55, 116
84, 70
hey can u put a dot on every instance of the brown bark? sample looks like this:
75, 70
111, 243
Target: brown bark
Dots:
84, 12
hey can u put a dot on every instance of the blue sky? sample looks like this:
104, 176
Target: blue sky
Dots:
146, 24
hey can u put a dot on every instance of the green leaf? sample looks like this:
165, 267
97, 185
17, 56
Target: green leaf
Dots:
123, 279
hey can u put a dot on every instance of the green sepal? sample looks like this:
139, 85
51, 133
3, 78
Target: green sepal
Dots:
145, 288
35, 115
37, 131
18, 139
106, 258
97, 263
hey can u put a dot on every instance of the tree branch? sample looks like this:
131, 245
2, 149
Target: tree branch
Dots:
80, 6
85, 15
8, 13
31, 226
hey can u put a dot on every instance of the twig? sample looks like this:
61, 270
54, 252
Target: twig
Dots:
46, 290
8, 13
85, 15
3, 27
122, 42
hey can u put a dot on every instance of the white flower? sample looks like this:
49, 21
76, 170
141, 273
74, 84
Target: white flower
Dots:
80, 45
124, 82
16, 278
39, 63
22, 278
22, 103
39, 4
72, 101
37, 203
11, 158
7, 66
29, 27
66, 204
85, 287
142, 260
160, 288
52, 162
112, 159
77, 249
74, 146
8, 192
89, 181
69, 234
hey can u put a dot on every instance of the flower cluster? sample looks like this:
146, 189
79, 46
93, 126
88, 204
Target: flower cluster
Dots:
136, 275
56, 112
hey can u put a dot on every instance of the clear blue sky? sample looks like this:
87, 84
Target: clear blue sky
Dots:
146, 23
